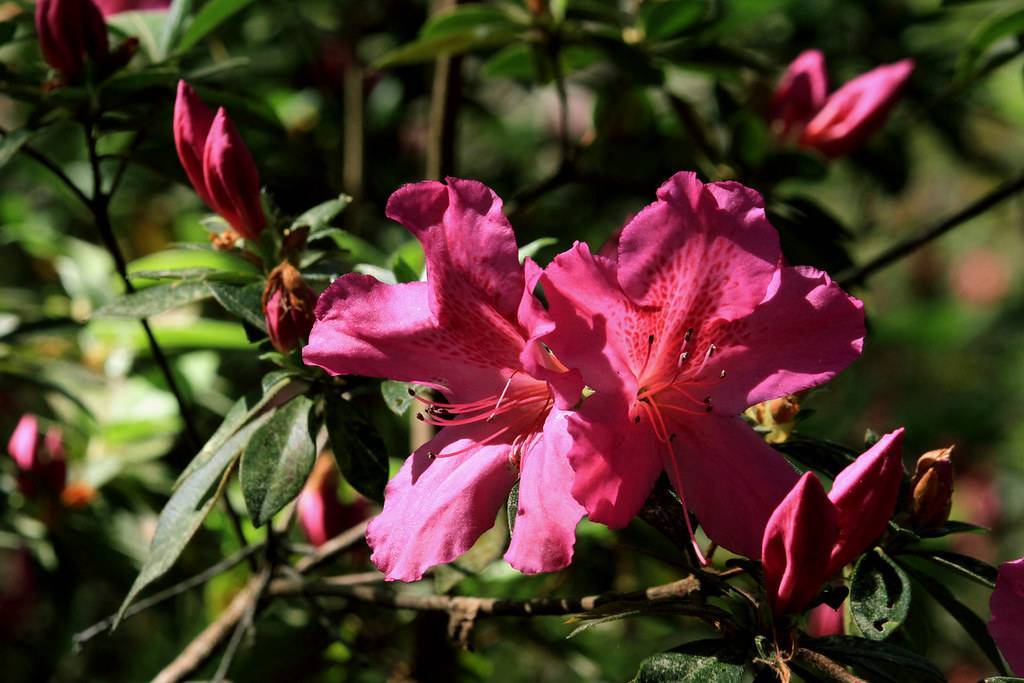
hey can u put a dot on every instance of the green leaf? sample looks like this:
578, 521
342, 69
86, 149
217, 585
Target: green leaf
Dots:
952, 527
868, 657
988, 34
11, 143
964, 565
189, 504
212, 15
879, 595
465, 18
358, 448
703, 661
970, 621
321, 215
669, 18
244, 302
277, 461
512, 507
1002, 679
217, 265
153, 300
530, 250
396, 396
463, 29
176, 15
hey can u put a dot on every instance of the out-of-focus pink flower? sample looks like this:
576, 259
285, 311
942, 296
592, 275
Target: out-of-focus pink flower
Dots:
976, 499
109, 7
1007, 607
811, 536
40, 459
322, 515
288, 304
685, 321
981, 277
217, 162
837, 124
823, 621
470, 332
71, 32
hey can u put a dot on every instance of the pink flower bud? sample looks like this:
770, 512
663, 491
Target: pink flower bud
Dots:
857, 110
288, 305
217, 162
71, 31
801, 92
42, 462
109, 7
823, 621
865, 496
321, 513
1007, 607
797, 542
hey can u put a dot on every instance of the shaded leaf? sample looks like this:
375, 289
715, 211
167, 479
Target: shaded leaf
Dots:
669, 18
277, 461
879, 595
988, 34
964, 565
396, 396
512, 507
244, 302
870, 656
703, 661
153, 300
176, 15
952, 527
358, 448
321, 215
11, 143
212, 15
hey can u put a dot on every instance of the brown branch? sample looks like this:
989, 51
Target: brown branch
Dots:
332, 548
831, 669
858, 275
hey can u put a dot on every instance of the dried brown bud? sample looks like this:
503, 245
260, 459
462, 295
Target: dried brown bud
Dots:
225, 241
932, 489
537, 8
776, 417
288, 304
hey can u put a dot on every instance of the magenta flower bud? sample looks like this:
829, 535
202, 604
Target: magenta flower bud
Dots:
823, 621
231, 177
288, 305
217, 162
801, 92
109, 7
857, 110
1007, 607
865, 495
797, 543
320, 511
42, 462
71, 31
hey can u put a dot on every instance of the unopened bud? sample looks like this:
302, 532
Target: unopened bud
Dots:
71, 32
41, 460
932, 489
288, 304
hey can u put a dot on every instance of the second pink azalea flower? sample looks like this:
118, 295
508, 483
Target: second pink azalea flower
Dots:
834, 124
690, 320
469, 333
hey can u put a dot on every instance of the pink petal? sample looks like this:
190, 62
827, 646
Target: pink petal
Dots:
24, 442
192, 121
435, 510
801, 92
801, 336
365, 327
731, 479
857, 110
615, 461
545, 524
232, 178
796, 546
699, 252
823, 621
472, 260
1007, 606
865, 495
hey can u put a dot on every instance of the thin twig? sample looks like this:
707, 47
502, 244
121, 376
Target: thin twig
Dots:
332, 548
199, 579
244, 623
859, 274
826, 666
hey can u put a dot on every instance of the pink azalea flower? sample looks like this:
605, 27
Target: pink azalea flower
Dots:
109, 7
40, 459
70, 32
690, 322
1007, 607
321, 513
217, 162
471, 333
837, 124
811, 536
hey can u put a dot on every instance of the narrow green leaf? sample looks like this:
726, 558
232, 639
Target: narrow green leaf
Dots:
277, 461
703, 661
988, 34
153, 300
396, 396
11, 143
188, 506
232, 268
358, 448
176, 15
426, 49
868, 656
879, 595
321, 215
512, 507
212, 15
669, 18
465, 18
964, 565
970, 621
952, 527
530, 250
244, 302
